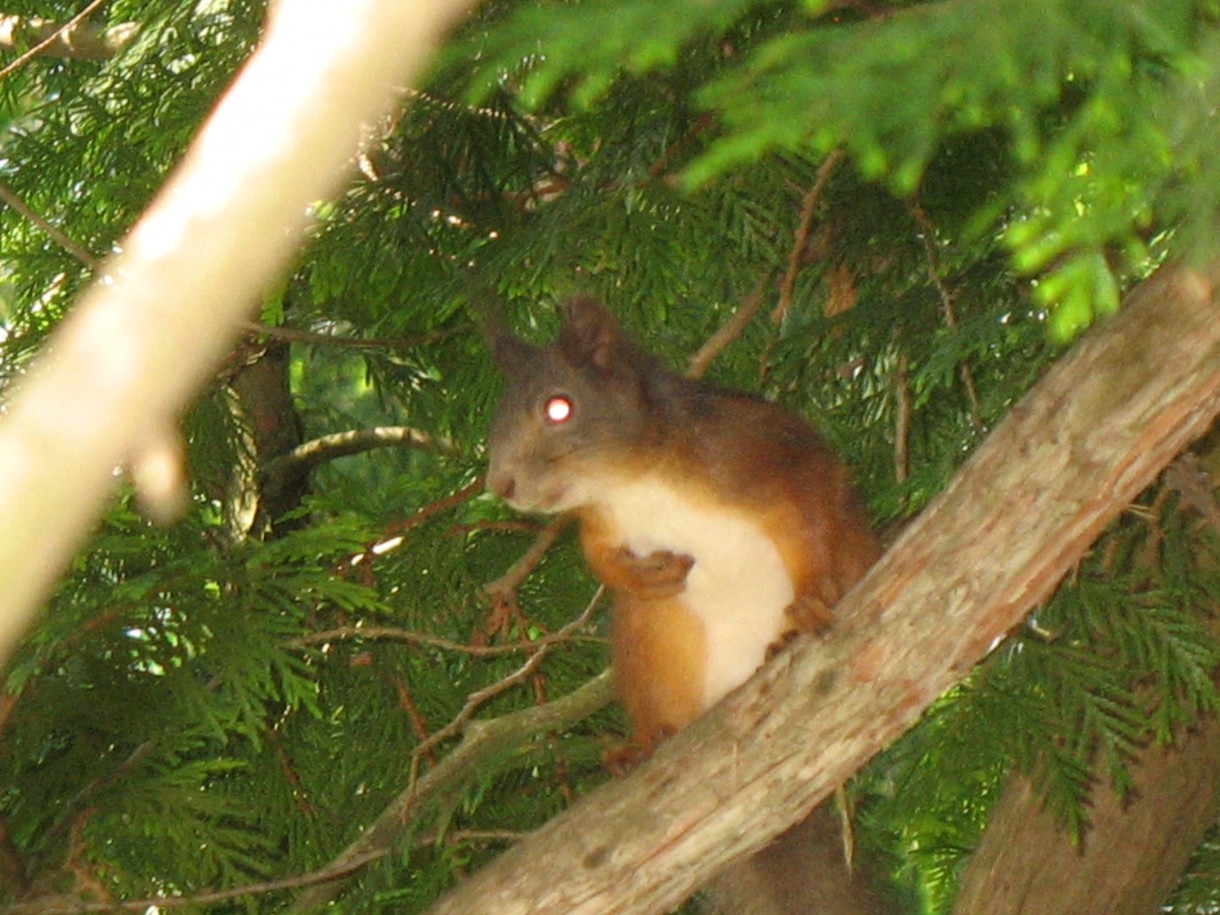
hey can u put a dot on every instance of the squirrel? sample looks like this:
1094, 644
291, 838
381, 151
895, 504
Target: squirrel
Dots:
721, 523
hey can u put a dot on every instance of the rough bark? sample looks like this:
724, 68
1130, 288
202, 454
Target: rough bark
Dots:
1095, 431
280, 140
275, 428
1131, 857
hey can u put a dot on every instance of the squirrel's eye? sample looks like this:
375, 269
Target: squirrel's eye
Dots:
557, 409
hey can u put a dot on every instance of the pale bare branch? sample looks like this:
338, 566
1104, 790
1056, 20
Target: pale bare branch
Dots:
156, 323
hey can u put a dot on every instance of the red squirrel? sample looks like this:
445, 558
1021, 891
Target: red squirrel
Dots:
720, 522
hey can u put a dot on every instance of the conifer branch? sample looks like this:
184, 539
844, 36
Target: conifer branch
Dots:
482, 742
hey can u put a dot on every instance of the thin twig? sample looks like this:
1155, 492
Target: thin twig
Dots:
809, 209
419, 724
51, 39
481, 696
472, 705
56, 235
702, 123
84, 41
504, 587
902, 420
729, 331
393, 534
473, 488
393, 634
295, 335
928, 236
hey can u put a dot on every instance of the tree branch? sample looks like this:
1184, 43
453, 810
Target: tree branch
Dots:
308, 455
48, 228
483, 741
1026, 859
75, 38
296, 335
1093, 433
729, 331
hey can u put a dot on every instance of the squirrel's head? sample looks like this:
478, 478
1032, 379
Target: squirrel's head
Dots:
570, 413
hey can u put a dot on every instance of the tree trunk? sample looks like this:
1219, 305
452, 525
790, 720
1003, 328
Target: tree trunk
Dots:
270, 414
1093, 433
1133, 852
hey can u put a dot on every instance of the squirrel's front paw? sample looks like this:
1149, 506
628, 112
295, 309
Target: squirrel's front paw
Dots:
659, 574
805, 614
809, 614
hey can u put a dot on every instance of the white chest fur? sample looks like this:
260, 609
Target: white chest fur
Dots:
738, 585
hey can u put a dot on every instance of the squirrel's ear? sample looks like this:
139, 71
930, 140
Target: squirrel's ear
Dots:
507, 349
590, 334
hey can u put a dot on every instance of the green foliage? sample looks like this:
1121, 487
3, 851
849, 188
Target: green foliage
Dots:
1198, 891
209, 705
1090, 98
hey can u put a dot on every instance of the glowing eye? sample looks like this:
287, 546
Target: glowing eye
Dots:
558, 409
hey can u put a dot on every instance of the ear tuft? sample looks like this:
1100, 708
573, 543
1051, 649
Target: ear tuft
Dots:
509, 351
590, 334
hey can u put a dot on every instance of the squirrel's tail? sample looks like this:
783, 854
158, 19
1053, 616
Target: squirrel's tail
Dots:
802, 873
